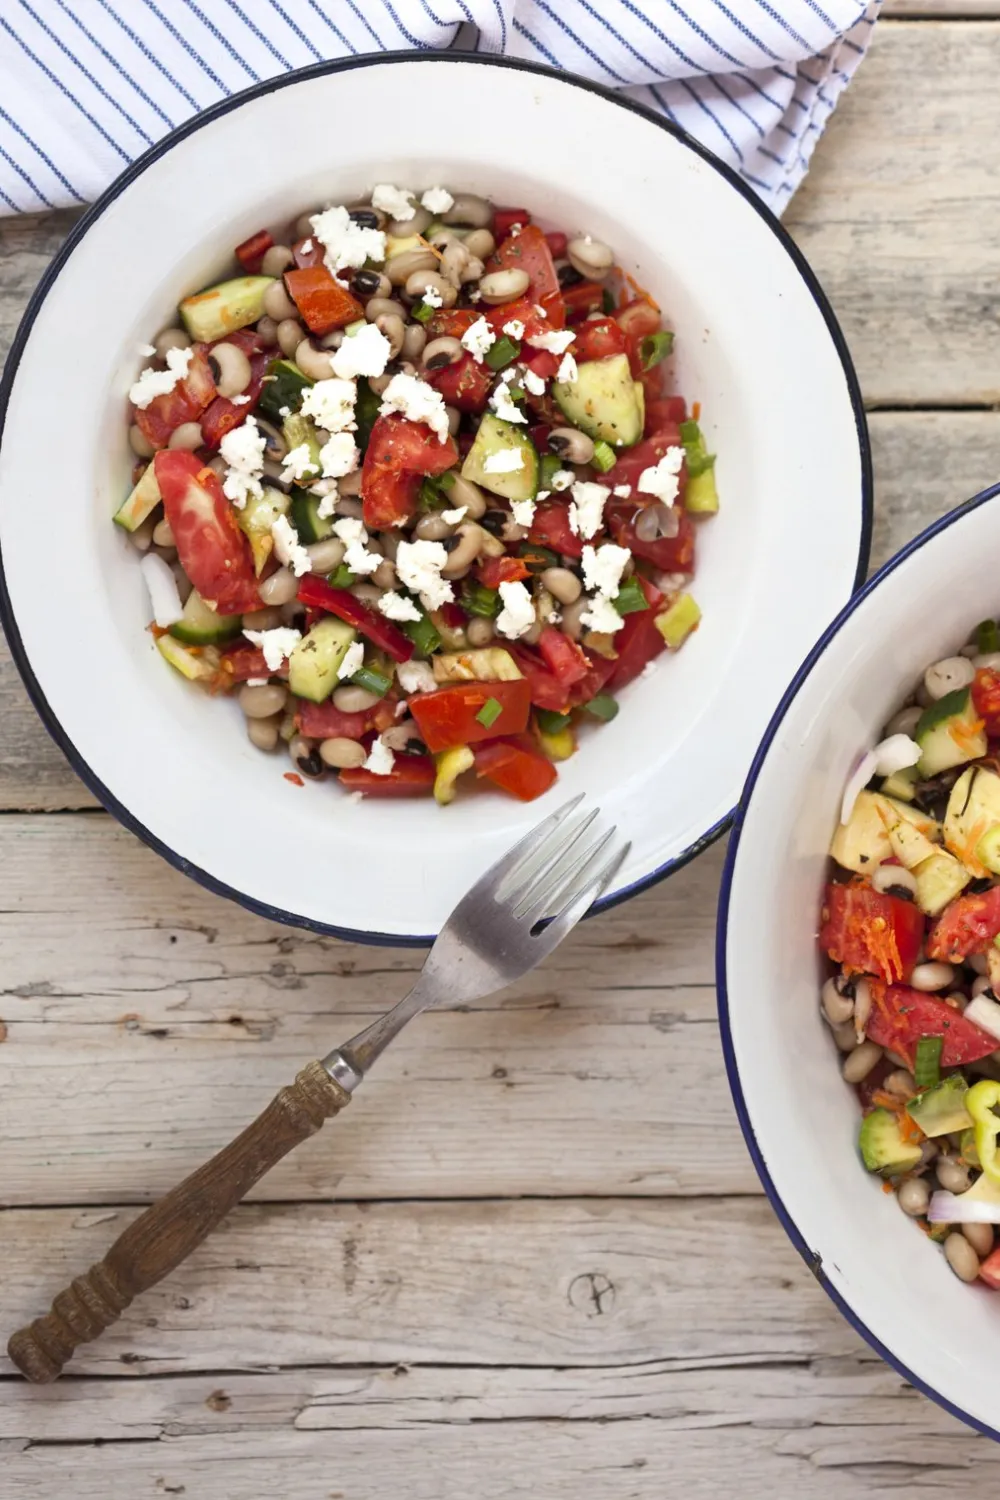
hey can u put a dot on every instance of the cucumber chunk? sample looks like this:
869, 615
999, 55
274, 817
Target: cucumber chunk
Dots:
200, 625
284, 385
602, 402
941, 1110
221, 309
882, 1146
949, 733
141, 503
972, 822
498, 437
313, 665
256, 519
864, 842
940, 878
305, 517
187, 663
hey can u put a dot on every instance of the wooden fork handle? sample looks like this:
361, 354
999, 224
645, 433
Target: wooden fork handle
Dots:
161, 1238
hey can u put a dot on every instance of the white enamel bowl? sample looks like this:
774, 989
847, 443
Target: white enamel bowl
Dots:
799, 1117
758, 347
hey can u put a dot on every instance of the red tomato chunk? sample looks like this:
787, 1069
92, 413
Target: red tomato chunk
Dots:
901, 1017
451, 715
214, 552
870, 933
411, 776
516, 767
968, 925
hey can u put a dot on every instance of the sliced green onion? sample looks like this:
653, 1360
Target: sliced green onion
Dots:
431, 495
477, 599
603, 707
537, 558
371, 681
604, 457
987, 637
422, 311
423, 634
607, 300
927, 1062
341, 577
550, 465
698, 457
366, 412
655, 347
503, 352
489, 713
630, 598
550, 722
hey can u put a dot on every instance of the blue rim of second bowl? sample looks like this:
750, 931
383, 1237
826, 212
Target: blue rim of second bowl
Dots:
812, 1257
161, 148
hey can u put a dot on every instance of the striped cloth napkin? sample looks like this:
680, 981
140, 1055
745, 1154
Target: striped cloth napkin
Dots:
88, 85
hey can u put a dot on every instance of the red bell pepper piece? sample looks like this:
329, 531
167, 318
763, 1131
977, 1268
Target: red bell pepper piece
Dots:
516, 766
449, 716
411, 776
638, 642
317, 592
313, 256
223, 415
504, 220
185, 403
493, 571
582, 299
567, 661
323, 304
557, 243
252, 251
323, 721
542, 362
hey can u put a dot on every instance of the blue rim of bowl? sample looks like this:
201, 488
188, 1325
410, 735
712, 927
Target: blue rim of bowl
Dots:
161, 148
812, 1257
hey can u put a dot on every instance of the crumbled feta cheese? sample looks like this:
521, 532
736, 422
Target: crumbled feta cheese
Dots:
661, 480
419, 567
567, 371
366, 352
338, 456
507, 461
354, 660
515, 230
452, 517
380, 758
346, 243
331, 403
276, 644
153, 383
354, 536
432, 298
258, 681
243, 451
602, 568
540, 310
283, 411
287, 547
586, 509
556, 342
562, 479
518, 613
416, 677
396, 202
622, 491
355, 796
601, 615
523, 511
397, 607
505, 406
437, 200
148, 351
298, 464
306, 247
533, 384
240, 400
515, 328
478, 339
418, 402
649, 669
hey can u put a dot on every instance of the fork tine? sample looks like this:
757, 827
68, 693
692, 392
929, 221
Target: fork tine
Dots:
579, 904
540, 870
510, 863
560, 877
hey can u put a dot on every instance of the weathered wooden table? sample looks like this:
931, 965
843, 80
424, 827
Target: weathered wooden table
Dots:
534, 1256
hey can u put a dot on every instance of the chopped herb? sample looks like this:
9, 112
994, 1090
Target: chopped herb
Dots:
489, 713
550, 464
341, 577
477, 599
537, 558
630, 598
502, 353
987, 637
366, 410
927, 1061
603, 707
431, 494
422, 311
550, 722
604, 457
655, 347
423, 634
697, 455
371, 681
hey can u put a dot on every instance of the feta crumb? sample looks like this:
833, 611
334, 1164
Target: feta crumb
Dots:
601, 615
354, 536
284, 411
397, 607
507, 461
452, 517
602, 568
276, 644
515, 328
555, 342
419, 567
586, 510
338, 456
298, 464
258, 681
661, 480
364, 353
568, 370
401, 709
416, 677
540, 310
622, 491
649, 669
437, 200
518, 613
346, 243
354, 660
240, 400
523, 511
380, 758
533, 384
515, 230
432, 298
331, 403
148, 351
418, 402
153, 383
243, 451
562, 479
504, 406
478, 339
355, 796
394, 201
306, 247
475, 295
287, 547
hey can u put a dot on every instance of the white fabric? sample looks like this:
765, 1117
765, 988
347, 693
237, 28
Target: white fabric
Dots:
88, 85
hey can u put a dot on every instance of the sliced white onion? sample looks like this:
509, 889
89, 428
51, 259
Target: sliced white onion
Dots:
952, 1208
162, 586
897, 753
985, 1013
858, 780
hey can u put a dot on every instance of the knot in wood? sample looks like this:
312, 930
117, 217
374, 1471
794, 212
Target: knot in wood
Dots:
592, 1293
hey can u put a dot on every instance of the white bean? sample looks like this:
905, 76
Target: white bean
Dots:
952, 1174
504, 286
837, 1007
961, 1257
980, 1237
894, 878
932, 976
946, 676
913, 1197
860, 1062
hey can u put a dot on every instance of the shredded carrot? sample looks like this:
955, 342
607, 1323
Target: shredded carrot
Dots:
640, 291
696, 411
887, 1187
294, 778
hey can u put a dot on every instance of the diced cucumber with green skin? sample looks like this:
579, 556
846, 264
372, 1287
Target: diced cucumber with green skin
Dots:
305, 517
194, 668
256, 519
972, 822
284, 385
222, 309
298, 432
941, 1110
141, 503
940, 878
701, 497
496, 436
948, 735
313, 665
882, 1146
677, 622
901, 784
199, 625
602, 401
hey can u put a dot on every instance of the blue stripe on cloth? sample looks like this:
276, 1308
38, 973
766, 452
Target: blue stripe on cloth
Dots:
11, 204
250, 26
296, 30
684, 83
45, 158
564, 26
783, 22
741, 26
717, 80
16, 167
368, 26
213, 30
414, 41
633, 10
114, 63
94, 83
752, 83
819, 11
64, 90
654, 90
700, 31
149, 55
335, 29
183, 42
616, 34
503, 24
523, 31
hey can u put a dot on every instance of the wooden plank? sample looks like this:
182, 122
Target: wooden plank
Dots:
941, 10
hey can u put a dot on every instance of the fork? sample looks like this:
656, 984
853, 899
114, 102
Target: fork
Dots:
511, 919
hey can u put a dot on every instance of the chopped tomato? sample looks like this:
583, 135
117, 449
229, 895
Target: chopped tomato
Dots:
632, 462
252, 251
986, 699
670, 554
214, 552
637, 320
967, 925
638, 642
870, 933
528, 251
516, 766
538, 315
222, 415
464, 384
493, 571
389, 499
989, 1271
449, 716
557, 243
247, 339
599, 676
666, 411
323, 721
185, 403
318, 593
311, 256
504, 220
398, 451
541, 362
582, 299
323, 304
550, 527
452, 321
546, 689
901, 1016
411, 776
241, 662
598, 338
567, 661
